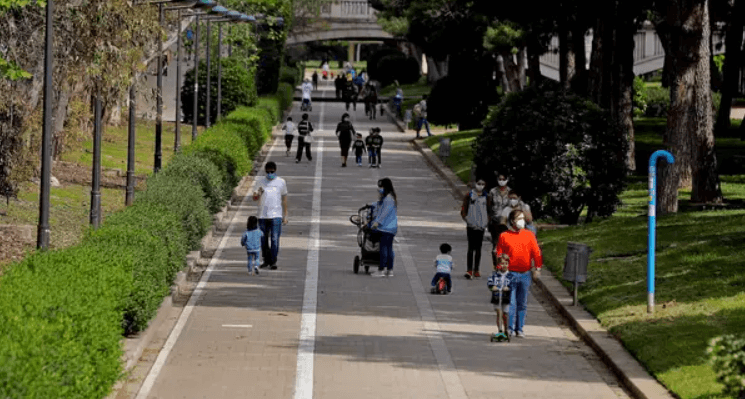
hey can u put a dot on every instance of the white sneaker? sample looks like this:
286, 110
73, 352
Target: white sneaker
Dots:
389, 273
521, 334
512, 333
379, 273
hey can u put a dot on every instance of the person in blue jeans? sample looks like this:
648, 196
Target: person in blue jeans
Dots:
251, 240
272, 213
385, 222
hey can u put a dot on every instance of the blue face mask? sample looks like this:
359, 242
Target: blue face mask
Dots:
271, 176
381, 190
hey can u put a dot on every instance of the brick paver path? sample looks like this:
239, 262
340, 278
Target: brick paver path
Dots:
373, 337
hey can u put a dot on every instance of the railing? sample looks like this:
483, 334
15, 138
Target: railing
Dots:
349, 9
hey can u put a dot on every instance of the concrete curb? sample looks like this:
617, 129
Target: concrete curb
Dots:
392, 117
628, 370
187, 279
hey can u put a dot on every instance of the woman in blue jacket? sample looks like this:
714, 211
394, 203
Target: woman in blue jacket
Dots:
385, 222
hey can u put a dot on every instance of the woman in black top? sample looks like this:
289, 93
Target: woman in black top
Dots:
345, 132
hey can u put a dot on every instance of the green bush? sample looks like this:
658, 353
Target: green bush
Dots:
397, 67
640, 97
290, 75
238, 89
658, 101
561, 152
60, 324
145, 261
272, 106
285, 94
182, 198
200, 171
468, 111
160, 223
727, 358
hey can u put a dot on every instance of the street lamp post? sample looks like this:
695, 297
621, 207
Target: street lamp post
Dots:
42, 236
177, 127
195, 108
129, 195
209, 83
159, 101
95, 214
219, 72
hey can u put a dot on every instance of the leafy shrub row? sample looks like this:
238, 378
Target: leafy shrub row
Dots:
654, 101
727, 358
63, 312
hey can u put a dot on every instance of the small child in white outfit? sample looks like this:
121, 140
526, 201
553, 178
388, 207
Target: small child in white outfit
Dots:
251, 239
289, 128
444, 266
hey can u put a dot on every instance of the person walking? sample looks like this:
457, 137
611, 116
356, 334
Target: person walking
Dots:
314, 78
251, 240
350, 93
371, 100
304, 128
515, 203
377, 145
339, 85
474, 213
272, 213
345, 133
372, 157
385, 222
525, 262
359, 149
289, 129
420, 111
499, 197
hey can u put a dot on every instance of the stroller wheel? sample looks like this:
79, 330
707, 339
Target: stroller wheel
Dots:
356, 266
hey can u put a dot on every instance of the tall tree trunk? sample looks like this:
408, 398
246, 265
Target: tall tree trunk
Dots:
595, 76
522, 66
566, 59
623, 82
579, 83
534, 61
732, 61
689, 122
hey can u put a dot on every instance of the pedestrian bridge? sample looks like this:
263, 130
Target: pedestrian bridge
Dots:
348, 20
649, 55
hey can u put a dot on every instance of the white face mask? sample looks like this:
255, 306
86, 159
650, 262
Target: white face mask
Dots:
513, 202
502, 182
520, 224
479, 187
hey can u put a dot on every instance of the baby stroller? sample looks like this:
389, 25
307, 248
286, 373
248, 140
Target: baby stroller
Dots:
367, 239
305, 105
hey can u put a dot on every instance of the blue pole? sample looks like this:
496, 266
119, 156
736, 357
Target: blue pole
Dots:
652, 222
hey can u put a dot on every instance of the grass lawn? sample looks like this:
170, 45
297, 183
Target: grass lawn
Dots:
410, 90
461, 154
70, 204
700, 272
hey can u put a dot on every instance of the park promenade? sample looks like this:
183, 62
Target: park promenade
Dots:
314, 329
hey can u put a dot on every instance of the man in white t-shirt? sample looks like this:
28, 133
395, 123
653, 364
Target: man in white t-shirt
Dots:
272, 214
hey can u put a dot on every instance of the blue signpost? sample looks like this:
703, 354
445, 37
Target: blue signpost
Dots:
652, 221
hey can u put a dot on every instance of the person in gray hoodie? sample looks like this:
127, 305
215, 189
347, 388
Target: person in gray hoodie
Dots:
474, 213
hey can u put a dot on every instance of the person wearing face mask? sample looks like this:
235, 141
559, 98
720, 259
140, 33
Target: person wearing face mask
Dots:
515, 203
272, 213
345, 133
385, 222
525, 262
498, 196
474, 213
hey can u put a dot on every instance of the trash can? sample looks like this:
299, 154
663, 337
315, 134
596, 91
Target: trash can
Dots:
444, 148
575, 265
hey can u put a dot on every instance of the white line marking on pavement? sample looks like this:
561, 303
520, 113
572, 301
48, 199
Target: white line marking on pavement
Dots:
307, 338
237, 325
449, 374
160, 361
323, 109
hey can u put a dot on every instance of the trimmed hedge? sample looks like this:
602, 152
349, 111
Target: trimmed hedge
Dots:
285, 94
63, 312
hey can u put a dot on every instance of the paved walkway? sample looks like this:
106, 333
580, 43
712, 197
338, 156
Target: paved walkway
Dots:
314, 329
